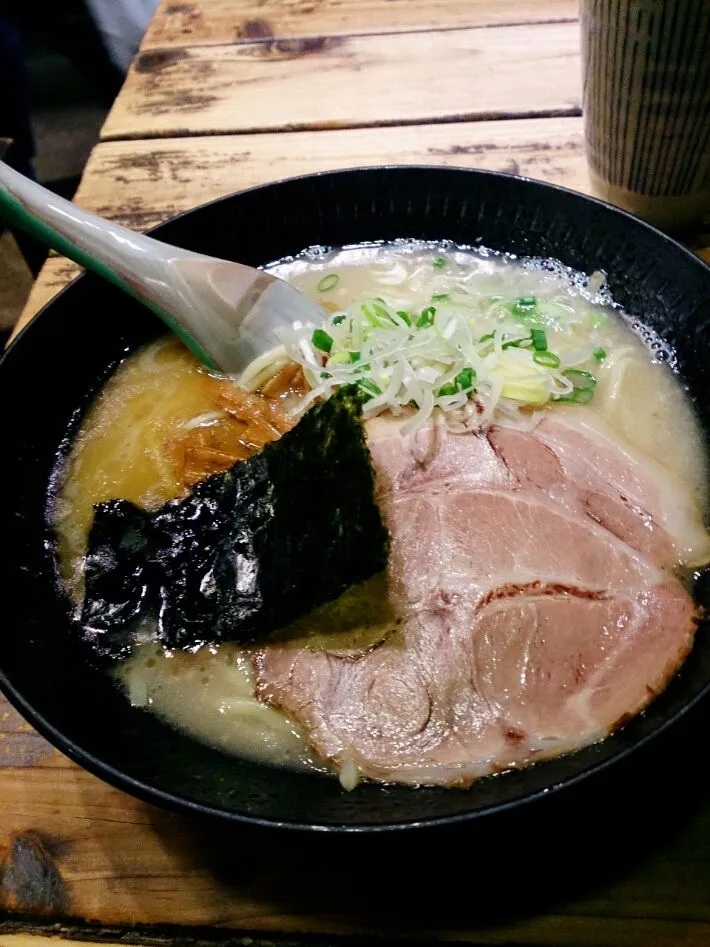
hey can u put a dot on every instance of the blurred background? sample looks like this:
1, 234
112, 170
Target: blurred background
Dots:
61, 65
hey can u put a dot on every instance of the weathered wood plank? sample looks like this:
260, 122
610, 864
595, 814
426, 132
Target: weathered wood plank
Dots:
52, 278
217, 22
141, 183
104, 856
439, 76
71, 841
20, 744
551, 932
43, 940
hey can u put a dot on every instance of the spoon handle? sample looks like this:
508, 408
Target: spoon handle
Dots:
131, 261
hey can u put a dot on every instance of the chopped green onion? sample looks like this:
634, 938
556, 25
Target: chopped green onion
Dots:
368, 385
439, 262
377, 314
321, 340
585, 381
539, 340
583, 395
578, 396
328, 282
410, 364
464, 379
546, 359
524, 306
426, 318
381, 311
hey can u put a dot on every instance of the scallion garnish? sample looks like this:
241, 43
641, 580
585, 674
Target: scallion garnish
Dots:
585, 381
578, 396
524, 306
321, 340
381, 311
439, 263
539, 340
464, 379
328, 282
583, 395
546, 359
368, 385
584, 385
426, 318
392, 354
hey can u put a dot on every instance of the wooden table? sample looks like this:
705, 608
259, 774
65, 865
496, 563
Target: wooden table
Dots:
226, 94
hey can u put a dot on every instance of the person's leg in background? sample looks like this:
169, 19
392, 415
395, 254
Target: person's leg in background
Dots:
14, 97
15, 120
99, 37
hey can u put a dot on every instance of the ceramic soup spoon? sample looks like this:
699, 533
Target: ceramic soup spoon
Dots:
226, 313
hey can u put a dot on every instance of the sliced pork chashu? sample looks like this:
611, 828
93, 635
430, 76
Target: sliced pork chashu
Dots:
533, 574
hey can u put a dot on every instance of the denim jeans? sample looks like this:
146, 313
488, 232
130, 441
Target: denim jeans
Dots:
14, 97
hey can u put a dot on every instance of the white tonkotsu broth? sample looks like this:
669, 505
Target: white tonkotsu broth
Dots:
210, 694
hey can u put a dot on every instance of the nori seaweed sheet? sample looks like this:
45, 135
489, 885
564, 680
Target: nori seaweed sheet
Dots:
249, 550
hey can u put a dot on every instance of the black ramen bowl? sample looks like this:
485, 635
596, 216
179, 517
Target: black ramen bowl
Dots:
50, 374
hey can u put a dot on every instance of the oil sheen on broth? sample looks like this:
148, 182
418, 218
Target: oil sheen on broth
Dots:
122, 450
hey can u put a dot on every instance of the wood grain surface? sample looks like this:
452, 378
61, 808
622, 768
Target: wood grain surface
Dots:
217, 22
331, 84
141, 183
625, 865
39, 940
338, 82
56, 273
